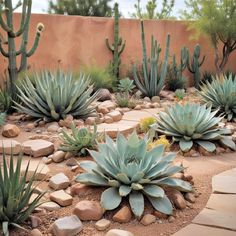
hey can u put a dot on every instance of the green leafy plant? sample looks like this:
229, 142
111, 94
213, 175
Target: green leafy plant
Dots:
5, 100
100, 77
180, 94
145, 123
2, 118
51, 96
152, 78
207, 77
126, 85
128, 169
122, 99
15, 194
79, 140
193, 123
220, 93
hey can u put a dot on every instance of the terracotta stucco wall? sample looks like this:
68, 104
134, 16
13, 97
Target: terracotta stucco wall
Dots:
73, 41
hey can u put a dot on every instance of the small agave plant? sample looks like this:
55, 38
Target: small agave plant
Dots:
79, 140
128, 169
193, 123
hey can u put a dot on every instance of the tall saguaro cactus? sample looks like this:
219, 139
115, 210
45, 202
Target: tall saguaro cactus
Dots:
195, 64
118, 46
7, 24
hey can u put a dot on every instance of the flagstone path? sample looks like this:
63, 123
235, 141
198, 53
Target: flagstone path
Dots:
218, 218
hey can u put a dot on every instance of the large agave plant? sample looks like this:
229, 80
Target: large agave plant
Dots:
220, 93
128, 169
193, 123
15, 194
53, 96
79, 140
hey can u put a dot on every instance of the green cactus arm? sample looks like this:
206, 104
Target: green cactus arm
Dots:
203, 59
35, 45
4, 53
111, 48
122, 48
4, 25
188, 63
20, 50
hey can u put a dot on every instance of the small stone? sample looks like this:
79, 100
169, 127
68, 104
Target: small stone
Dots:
68, 121
190, 197
204, 152
46, 160
10, 131
118, 232
80, 189
155, 99
10, 145
61, 197
74, 168
115, 115
59, 181
148, 219
72, 162
38, 147
103, 110
35, 232
177, 198
79, 123
123, 215
108, 119
88, 210
171, 219
138, 107
53, 128
220, 150
102, 224
50, 206
108, 104
29, 127
160, 215
146, 99
104, 95
41, 123
58, 156
67, 226
35, 221
68, 155
90, 121
187, 177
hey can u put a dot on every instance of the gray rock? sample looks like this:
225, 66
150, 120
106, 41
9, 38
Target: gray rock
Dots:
104, 95
59, 181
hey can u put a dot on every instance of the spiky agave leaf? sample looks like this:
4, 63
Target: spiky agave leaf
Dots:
128, 169
193, 123
221, 95
52, 96
15, 194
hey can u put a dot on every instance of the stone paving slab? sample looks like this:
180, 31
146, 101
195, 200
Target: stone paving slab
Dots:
231, 172
139, 115
224, 184
200, 230
217, 219
222, 202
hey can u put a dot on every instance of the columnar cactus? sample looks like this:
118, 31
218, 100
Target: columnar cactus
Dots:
7, 9
195, 64
118, 46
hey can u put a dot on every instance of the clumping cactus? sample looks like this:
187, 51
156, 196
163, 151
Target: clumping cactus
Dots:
7, 9
195, 64
118, 45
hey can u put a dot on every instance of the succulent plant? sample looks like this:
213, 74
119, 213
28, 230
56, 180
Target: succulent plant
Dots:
145, 123
79, 140
15, 194
128, 169
2, 118
220, 93
162, 140
126, 85
180, 94
191, 123
53, 96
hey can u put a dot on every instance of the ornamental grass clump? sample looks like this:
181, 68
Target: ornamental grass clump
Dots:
220, 93
15, 194
80, 139
52, 96
193, 123
128, 169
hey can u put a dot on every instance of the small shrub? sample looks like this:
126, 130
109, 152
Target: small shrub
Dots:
79, 140
162, 140
180, 94
145, 124
126, 85
2, 118
122, 99
15, 194
175, 83
129, 170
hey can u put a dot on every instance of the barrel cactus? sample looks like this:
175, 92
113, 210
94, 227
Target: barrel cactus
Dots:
193, 123
128, 169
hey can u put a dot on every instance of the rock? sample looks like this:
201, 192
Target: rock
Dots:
9, 146
90, 120
50, 206
79, 123
46, 160
146, 99
80, 189
104, 95
103, 110
220, 150
118, 232
67, 226
35, 232
68, 155
38, 147
72, 162
115, 115
102, 224
59, 181
108, 119
88, 210
29, 127
10, 131
74, 168
155, 99
138, 107
107, 104
171, 219
61, 197
231, 127
40, 136
190, 197
68, 121
52, 128
138, 94
35, 221
123, 215
58, 156
160, 215
204, 152
177, 198
148, 219
187, 177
